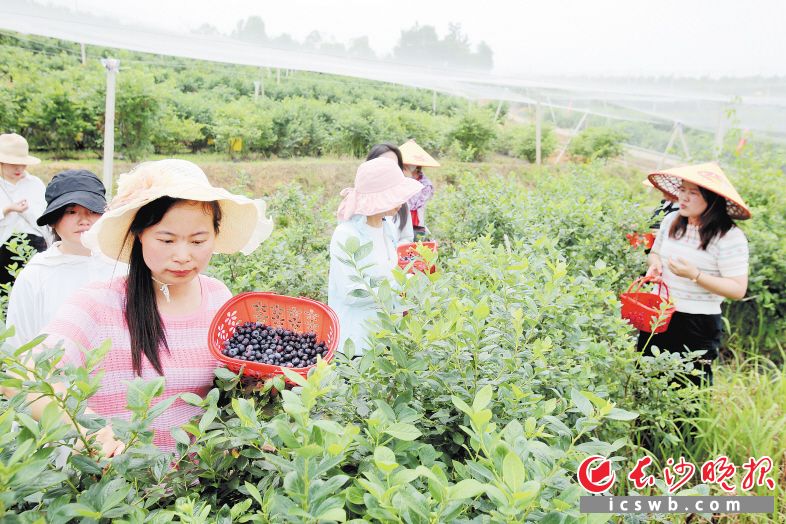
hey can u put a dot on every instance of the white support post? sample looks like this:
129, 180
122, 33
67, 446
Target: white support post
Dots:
720, 134
538, 118
257, 85
673, 137
684, 142
572, 134
112, 66
499, 109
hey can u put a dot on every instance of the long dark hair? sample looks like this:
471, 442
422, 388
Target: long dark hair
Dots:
714, 222
379, 150
145, 327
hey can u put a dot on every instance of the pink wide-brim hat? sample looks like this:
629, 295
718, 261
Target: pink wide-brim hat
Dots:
379, 186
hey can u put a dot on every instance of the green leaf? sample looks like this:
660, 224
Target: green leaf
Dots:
180, 436
405, 476
364, 251
461, 405
191, 398
385, 459
482, 398
79, 510
295, 377
254, 492
581, 402
85, 464
466, 489
224, 373
528, 492
513, 472
402, 431
244, 408
481, 310
621, 414
336, 514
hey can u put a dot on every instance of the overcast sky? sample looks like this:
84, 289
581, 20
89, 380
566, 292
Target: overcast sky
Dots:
597, 37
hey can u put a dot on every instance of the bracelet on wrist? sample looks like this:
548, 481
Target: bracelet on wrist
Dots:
695, 279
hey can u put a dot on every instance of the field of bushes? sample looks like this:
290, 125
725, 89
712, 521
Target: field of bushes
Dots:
511, 366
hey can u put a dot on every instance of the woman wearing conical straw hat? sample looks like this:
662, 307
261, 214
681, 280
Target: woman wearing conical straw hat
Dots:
166, 222
415, 159
702, 256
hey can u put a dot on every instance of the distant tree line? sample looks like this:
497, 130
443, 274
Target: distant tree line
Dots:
419, 45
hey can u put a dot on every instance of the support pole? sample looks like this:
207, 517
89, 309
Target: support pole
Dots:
257, 85
112, 66
538, 119
684, 142
720, 134
499, 109
572, 134
673, 137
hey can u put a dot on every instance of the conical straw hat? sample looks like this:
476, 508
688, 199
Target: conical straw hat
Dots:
414, 155
709, 176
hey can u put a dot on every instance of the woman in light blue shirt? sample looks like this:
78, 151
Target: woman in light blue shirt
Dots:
380, 190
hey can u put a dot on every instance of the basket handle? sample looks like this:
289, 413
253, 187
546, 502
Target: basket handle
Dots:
636, 285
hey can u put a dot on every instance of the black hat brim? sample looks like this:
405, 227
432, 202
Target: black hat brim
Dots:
87, 199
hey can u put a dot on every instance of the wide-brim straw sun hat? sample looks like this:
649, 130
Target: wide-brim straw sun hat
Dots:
243, 222
709, 176
380, 186
14, 150
414, 155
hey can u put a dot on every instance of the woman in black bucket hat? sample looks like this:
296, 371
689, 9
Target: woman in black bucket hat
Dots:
75, 200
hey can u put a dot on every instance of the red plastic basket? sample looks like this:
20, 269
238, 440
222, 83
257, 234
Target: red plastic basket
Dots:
301, 315
409, 252
642, 309
641, 239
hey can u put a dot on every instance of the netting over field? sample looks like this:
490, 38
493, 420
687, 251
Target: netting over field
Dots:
703, 115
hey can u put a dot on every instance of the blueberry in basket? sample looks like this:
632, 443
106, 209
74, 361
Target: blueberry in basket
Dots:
257, 342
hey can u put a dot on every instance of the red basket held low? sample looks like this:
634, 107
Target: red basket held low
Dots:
642, 309
301, 315
409, 252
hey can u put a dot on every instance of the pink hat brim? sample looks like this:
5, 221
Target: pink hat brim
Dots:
368, 204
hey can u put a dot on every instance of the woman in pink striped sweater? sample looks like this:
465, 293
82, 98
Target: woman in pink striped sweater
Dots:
166, 222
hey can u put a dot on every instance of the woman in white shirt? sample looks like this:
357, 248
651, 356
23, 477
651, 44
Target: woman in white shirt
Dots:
702, 256
21, 199
76, 199
380, 190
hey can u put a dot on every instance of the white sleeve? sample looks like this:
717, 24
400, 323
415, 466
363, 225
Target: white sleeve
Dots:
22, 311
